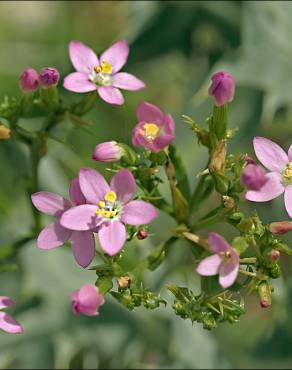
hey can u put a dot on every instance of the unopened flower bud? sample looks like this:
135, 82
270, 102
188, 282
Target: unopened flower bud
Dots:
222, 88
49, 77
253, 177
5, 132
142, 234
274, 255
109, 151
228, 202
29, 80
264, 292
124, 282
281, 227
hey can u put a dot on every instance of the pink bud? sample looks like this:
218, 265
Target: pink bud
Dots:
222, 88
86, 300
142, 234
253, 177
29, 80
249, 160
109, 151
49, 77
274, 255
281, 227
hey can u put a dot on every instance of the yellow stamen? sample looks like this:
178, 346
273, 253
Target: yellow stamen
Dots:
287, 173
97, 69
107, 214
111, 196
150, 131
106, 67
101, 204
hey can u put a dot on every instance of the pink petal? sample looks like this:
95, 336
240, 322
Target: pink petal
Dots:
116, 55
80, 218
161, 142
112, 237
52, 236
111, 95
217, 243
127, 81
83, 247
290, 153
90, 297
228, 271
9, 325
288, 200
209, 266
270, 154
93, 185
78, 82
82, 57
168, 125
50, 203
149, 113
270, 190
124, 185
5, 302
76, 195
138, 212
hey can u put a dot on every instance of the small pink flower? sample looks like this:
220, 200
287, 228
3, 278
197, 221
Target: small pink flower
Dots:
222, 88
280, 227
109, 151
54, 235
253, 177
7, 323
101, 74
279, 180
154, 131
108, 208
49, 77
29, 80
87, 300
224, 261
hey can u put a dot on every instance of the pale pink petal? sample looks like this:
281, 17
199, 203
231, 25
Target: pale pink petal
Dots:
290, 153
112, 237
111, 95
288, 200
76, 195
5, 302
161, 142
124, 185
270, 190
217, 243
168, 125
138, 212
78, 82
116, 55
9, 324
52, 236
50, 203
149, 113
81, 218
228, 271
209, 266
127, 81
270, 154
83, 247
82, 57
90, 299
93, 185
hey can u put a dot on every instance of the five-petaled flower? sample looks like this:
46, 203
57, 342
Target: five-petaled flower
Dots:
108, 208
154, 131
279, 179
86, 300
101, 74
224, 261
54, 235
8, 323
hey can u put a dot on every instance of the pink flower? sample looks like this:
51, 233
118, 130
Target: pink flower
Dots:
222, 88
108, 208
253, 177
7, 323
109, 151
86, 300
101, 74
54, 235
279, 180
29, 80
224, 261
154, 131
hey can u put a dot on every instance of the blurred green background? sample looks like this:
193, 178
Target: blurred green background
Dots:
175, 47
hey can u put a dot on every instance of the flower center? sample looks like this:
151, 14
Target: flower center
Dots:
150, 131
226, 256
109, 208
101, 74
287, 174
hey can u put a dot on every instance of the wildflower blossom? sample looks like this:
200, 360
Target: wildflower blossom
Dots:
108, 208
101, 74
154, 131
49, 77
224, 261
109, 151
8, 323
279, 179
222, 88
29, 80
86, 300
